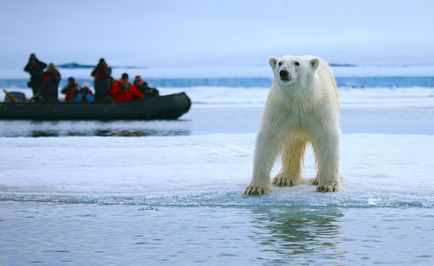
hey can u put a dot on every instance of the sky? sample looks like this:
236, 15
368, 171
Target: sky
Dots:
171, 33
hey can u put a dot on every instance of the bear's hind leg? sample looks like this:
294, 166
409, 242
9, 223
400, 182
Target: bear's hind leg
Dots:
292, 163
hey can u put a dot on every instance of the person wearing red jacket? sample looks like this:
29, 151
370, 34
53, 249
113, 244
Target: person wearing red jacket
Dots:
50, 84
70, 90
124, 91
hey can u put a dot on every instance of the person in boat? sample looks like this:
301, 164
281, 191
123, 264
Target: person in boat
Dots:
85, 94
102, 73
124, 91
70, 90
143, 87
50, 84
36, 70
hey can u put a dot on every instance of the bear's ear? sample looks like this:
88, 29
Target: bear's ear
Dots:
314, 63
272, 61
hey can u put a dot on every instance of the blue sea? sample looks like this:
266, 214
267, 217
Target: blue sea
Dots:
255, 82
169, 192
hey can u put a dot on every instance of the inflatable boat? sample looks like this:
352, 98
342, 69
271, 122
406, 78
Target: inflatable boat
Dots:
160, 107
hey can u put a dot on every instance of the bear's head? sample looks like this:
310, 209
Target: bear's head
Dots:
293, 70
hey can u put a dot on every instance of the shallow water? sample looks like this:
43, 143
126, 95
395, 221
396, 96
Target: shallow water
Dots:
48, 233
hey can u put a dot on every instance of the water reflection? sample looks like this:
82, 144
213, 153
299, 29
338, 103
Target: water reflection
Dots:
300, 232
94, 128
43, 133
141, 133
109, 133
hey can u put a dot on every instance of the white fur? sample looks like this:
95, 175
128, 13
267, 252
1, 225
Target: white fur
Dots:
303, 110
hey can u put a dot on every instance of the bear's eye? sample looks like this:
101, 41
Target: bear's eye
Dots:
280, 63
296, 63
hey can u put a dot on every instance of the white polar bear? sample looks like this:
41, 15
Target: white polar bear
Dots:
302, 107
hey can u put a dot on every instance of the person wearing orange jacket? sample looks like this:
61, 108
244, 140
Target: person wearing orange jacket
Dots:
124, 91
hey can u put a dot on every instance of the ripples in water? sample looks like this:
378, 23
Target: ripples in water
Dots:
234, 200
259, 235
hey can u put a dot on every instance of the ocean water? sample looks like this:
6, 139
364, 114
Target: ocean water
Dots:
169, 192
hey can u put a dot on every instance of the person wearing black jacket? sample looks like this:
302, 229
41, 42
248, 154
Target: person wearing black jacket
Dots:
102, 84
36, 70
144, 88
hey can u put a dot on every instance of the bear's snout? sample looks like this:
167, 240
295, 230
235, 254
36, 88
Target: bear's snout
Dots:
284, 75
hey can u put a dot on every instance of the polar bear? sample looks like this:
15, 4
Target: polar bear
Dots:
302, 107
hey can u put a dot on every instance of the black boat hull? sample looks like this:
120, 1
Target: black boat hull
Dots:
161, 107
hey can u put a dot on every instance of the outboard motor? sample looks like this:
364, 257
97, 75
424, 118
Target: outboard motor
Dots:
15, 97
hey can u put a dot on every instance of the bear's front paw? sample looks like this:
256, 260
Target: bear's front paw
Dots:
254, 189
283, 179
333, 186
314, 181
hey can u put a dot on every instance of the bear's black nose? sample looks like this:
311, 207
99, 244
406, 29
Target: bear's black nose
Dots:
284, 74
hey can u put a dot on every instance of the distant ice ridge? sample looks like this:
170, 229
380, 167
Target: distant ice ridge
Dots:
208, 170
